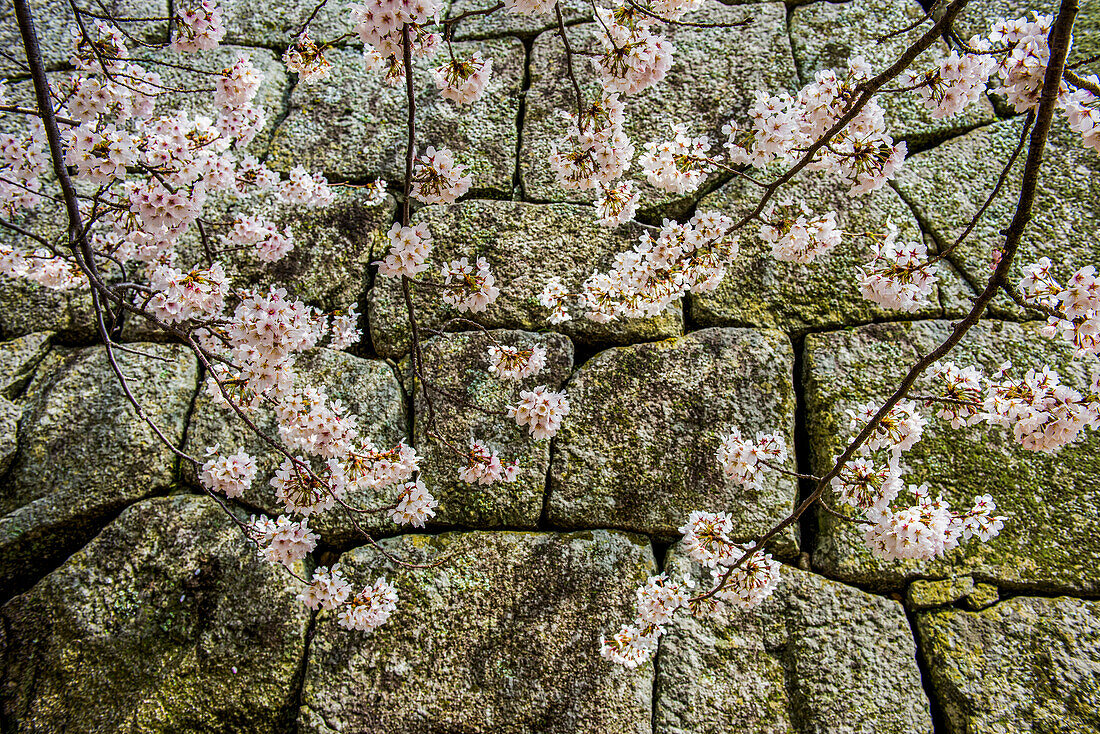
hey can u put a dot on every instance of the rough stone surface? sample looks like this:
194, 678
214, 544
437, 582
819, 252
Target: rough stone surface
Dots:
504, 640
353, 126
457, 363
274, 24
759, 290
27, 307
83, 454
166, 622
1059, 223
984, 595
714, 74
506, 23
526, 245
1025, 664
18, 358
938, 593
368, 389
9, 433
638, 450
811, 658
53, 22
825, 35
1048, 541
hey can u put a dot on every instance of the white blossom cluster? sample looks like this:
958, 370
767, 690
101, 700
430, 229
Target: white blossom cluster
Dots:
745, 462
594, 152
306, 59
410, 248
740, 577
231, 474
899, 274
464, 80
483, 466
796, 234
513, 363
469, 286
437, 179
690, 257
1077, 304
541, 410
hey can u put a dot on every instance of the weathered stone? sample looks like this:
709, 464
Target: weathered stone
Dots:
638, 448
84, 454
54, 26
825, 35
938, 593
457, 364
1025, 664
503, 637
166, 622
526, 245
18, 358
328, 267
27, 307
815, 656
506, 23
1064, 219
353, 125
713, 78
1048, 541
367, 388
760, 290
10, 414
983, 596
275, 24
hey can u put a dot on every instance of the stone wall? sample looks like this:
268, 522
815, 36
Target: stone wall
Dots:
131, 603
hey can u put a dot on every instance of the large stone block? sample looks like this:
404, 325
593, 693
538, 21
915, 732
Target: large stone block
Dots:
54, 25
354, 125
166, 622
825, 35
18, 359
503, 637
815, 656
1064, 218
638, 449
760, 290
1048, 541
368, 389
1025, 664
84, 454
526, 245
456, 363
713, 78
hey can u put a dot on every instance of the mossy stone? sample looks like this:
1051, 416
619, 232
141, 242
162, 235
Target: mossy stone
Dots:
1048, 542
167, 622
353, 125
456, 363
84, 454
1024, 664
526, 245
814, 656
638, 449
503, 637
